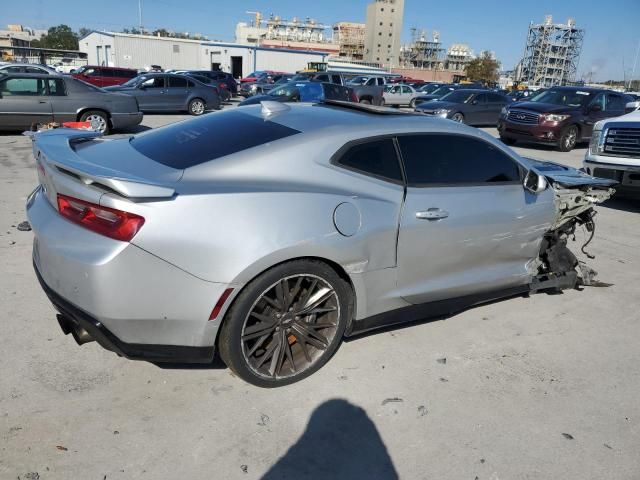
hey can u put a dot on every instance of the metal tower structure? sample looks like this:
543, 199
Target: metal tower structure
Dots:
423, 52
551, 54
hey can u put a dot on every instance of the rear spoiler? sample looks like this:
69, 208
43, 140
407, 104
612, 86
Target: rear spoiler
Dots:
57, 147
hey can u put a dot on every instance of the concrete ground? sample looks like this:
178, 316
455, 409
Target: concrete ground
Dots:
528, 388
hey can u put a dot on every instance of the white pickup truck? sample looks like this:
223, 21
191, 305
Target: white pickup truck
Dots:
614, 152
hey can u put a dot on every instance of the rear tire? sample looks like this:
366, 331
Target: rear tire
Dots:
197, 107
99, 121
364, 101
286, 323
412, 103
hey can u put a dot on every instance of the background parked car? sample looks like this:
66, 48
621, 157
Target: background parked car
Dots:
614, 152
221, 88
169, 92
521, 95
226, 79
262, 87
470, 106
560, 116
437, 93
104, 76
27, 68
304, 92
400, 94
28, 99
368, 89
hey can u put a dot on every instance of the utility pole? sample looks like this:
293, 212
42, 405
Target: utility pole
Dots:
140, 15
635, 63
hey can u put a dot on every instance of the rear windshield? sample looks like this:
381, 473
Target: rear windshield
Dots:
214, 135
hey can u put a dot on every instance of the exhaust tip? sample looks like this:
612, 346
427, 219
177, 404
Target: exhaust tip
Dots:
81, 336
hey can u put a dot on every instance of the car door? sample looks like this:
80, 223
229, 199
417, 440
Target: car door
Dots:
392, 95
407, 95
595, 111
468, 225
24, 102
63, 106
151, 94
177, 93
477, 112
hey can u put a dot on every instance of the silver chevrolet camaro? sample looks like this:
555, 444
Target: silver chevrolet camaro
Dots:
268, 233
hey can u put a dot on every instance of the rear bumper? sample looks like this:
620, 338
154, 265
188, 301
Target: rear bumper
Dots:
137, 297
123, 120
109, 341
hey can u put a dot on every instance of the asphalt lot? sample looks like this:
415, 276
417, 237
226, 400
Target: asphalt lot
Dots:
528, 388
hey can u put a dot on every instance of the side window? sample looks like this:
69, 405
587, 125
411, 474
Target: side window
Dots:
177, 82
371, 81
107, 72
481, 98
377, 158
615, 103
454, 160
322, 78
22, 87
380, 81
92, 72
494, 98
599, 100
35, 70
13, 70
336, 79
154, 82
406, 89
190, 84
56, 87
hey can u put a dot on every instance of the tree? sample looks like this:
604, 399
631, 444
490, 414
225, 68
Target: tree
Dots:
83, 32
60, 37
484, 68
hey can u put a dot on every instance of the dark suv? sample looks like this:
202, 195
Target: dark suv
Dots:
560, 116
227, 79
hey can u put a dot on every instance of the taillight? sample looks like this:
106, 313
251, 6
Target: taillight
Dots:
223, 85
109, 222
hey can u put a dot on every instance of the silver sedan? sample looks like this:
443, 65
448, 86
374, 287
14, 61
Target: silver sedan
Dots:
270, 247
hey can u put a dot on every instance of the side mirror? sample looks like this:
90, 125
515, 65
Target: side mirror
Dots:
535, 183
631, 107
596, 107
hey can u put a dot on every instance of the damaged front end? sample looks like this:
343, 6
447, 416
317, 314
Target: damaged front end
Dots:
576, 195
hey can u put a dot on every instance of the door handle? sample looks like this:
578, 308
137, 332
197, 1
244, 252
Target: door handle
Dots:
432, 214
42, 101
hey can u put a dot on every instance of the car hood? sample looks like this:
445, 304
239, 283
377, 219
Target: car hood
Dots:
543, 107
567, 176
436, 105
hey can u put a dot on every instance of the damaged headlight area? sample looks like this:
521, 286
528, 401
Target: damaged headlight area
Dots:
558, 266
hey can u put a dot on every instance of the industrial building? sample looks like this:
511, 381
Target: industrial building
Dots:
294, 34
423, 52
350, 38
551, 53
383, 30
140, 51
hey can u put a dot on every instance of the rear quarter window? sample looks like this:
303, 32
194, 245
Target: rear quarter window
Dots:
212, 136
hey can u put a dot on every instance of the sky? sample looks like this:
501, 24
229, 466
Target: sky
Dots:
611, 40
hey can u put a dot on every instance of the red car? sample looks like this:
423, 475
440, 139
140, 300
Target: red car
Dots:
104, 76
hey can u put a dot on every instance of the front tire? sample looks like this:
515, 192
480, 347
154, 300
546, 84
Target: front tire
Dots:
98, 119
364, 101
197, 107
568, 139
286, 323
412, 103
508, 141
457, 117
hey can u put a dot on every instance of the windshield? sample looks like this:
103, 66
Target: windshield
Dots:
429, 88
357, 81
458, 96
441, 91
300, 92
134, 81
564, 97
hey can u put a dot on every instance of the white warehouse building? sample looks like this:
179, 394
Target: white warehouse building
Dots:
140, 51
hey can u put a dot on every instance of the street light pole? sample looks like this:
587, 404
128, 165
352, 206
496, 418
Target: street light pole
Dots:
635, 63
140, 15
